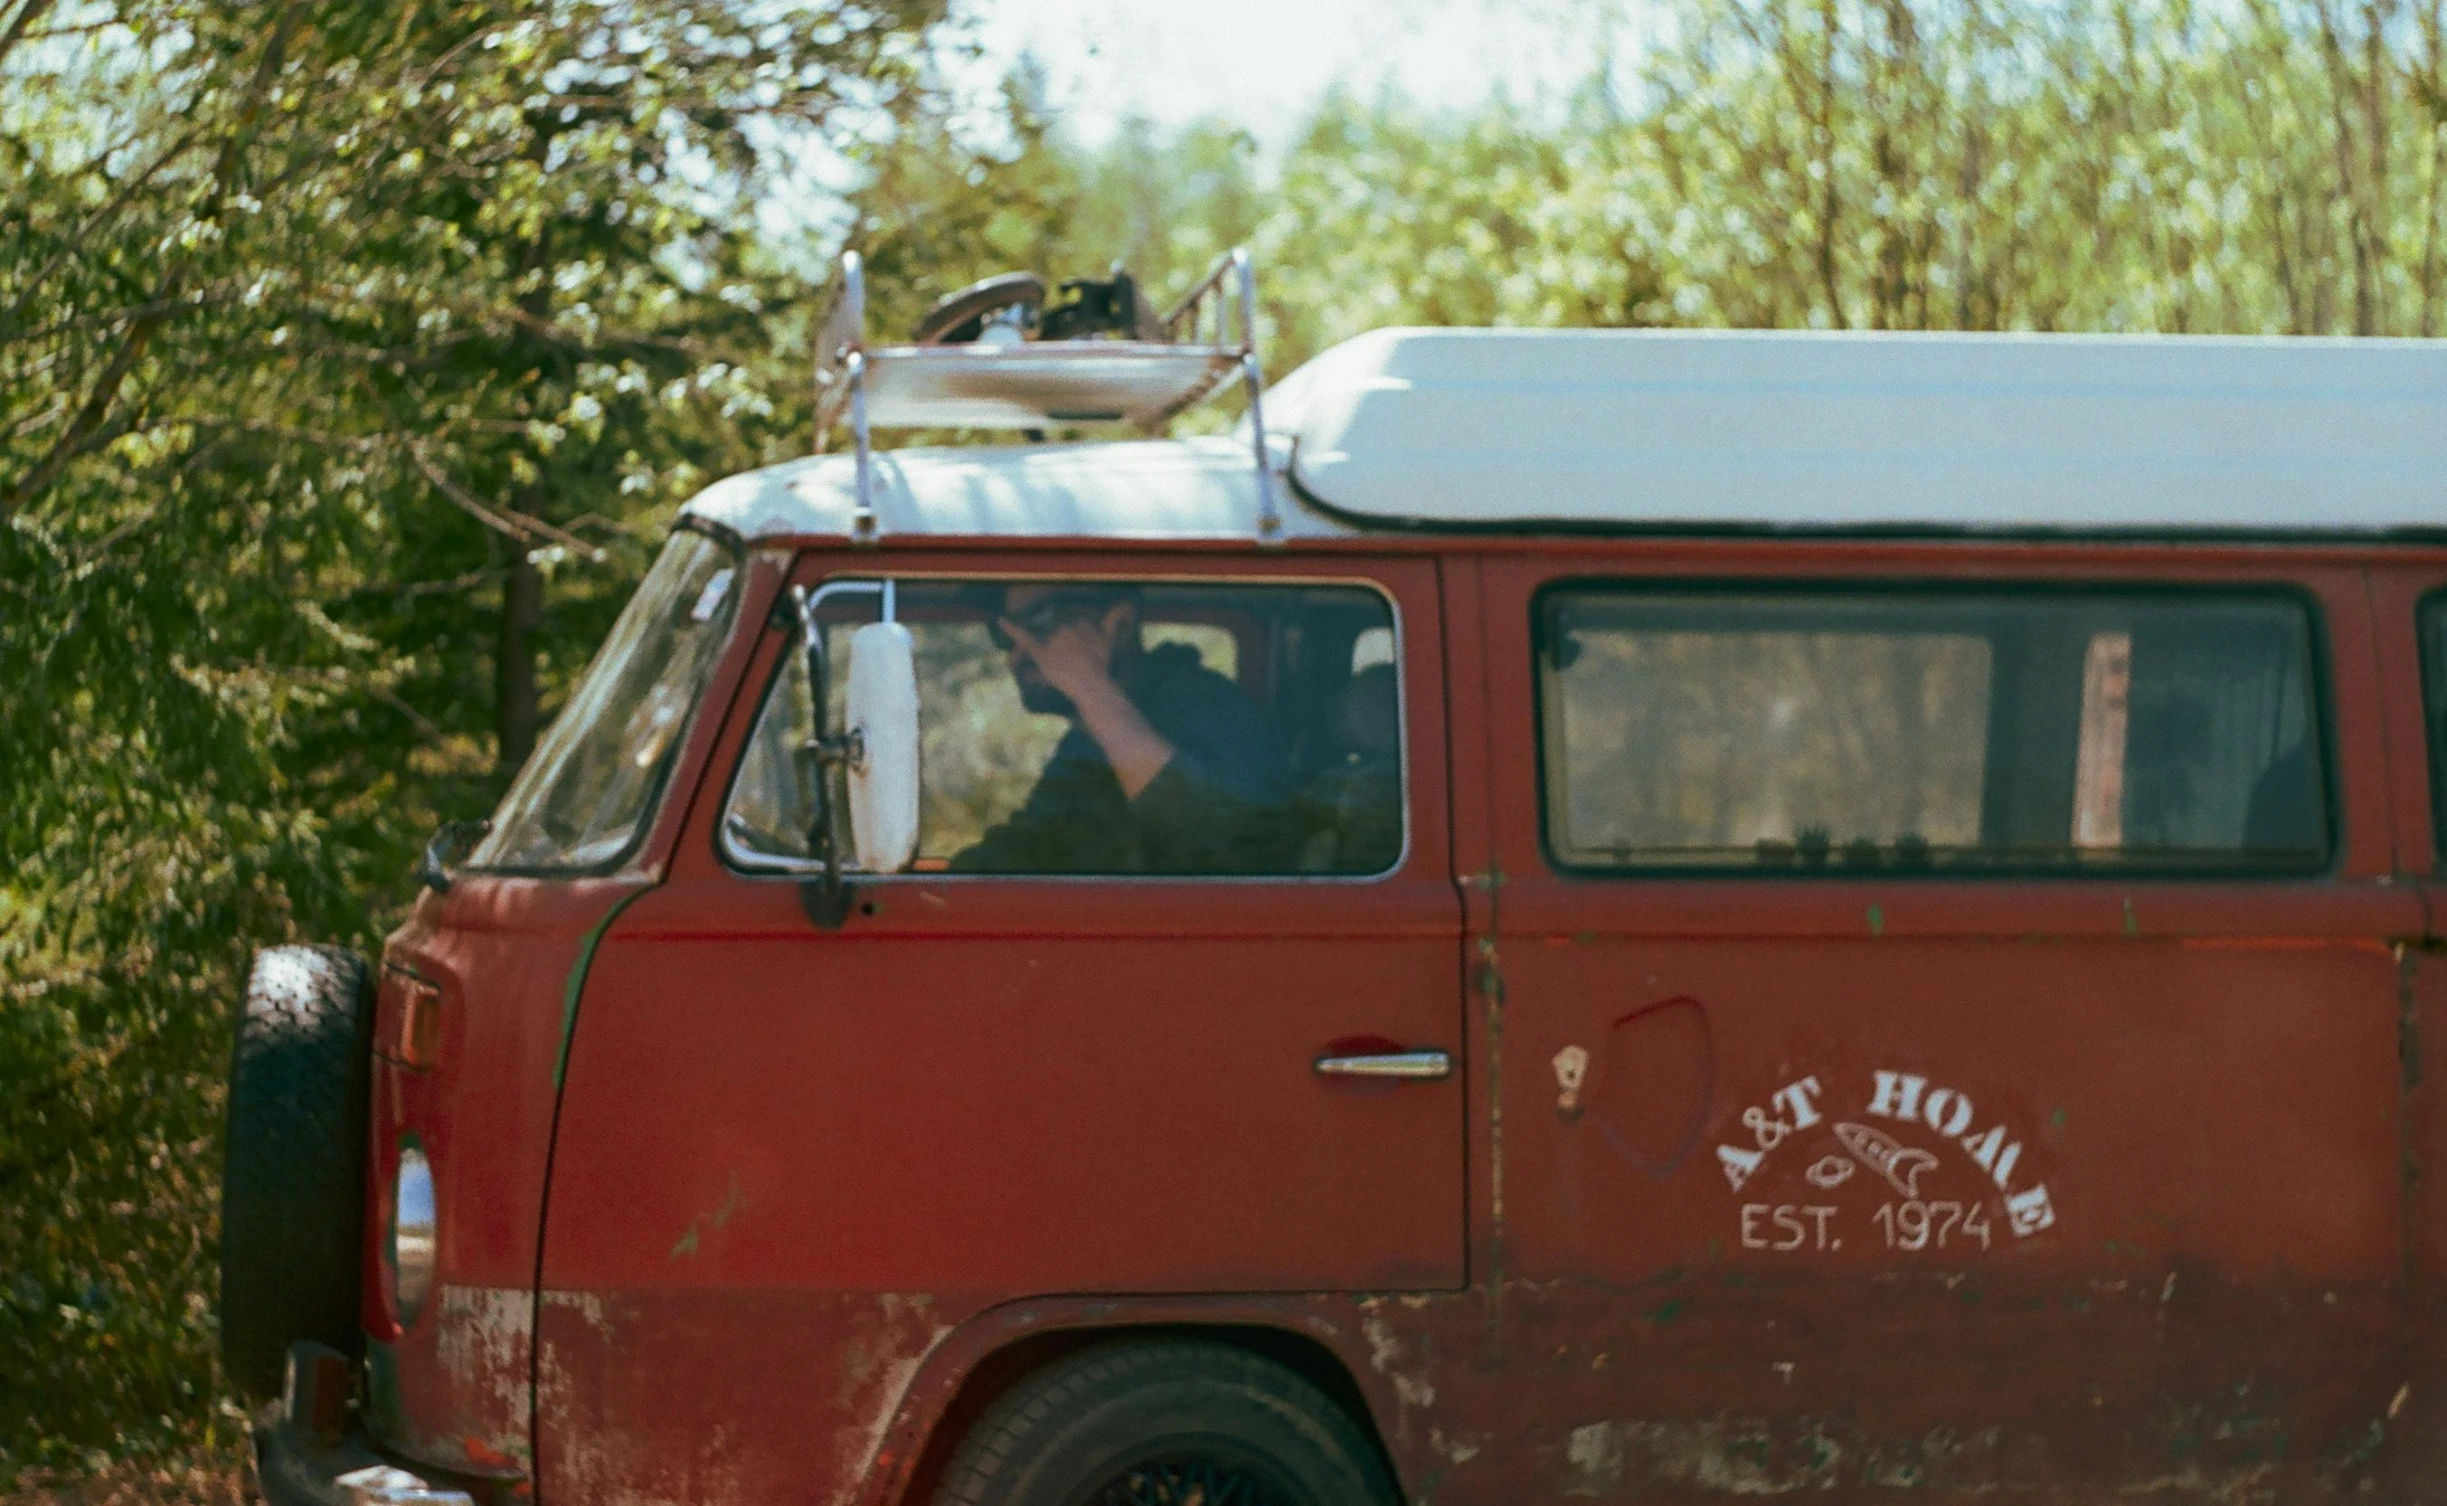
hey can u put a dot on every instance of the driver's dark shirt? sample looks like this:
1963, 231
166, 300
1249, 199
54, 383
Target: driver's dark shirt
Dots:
1220, 805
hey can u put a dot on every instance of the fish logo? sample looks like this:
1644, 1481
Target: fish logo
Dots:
1902, 1165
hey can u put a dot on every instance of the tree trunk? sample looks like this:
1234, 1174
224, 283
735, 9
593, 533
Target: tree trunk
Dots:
516, 716
1831, 33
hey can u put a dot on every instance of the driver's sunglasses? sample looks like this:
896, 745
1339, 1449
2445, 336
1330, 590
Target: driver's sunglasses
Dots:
1041, 617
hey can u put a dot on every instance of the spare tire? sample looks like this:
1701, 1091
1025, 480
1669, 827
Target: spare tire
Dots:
293, 1179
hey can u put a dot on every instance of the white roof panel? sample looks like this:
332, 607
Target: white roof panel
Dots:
1711, 431
1148, 489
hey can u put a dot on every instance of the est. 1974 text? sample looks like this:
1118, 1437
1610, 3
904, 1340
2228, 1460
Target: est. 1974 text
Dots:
1913, 1225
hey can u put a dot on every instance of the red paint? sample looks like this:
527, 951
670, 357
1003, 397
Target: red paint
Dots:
812, 1191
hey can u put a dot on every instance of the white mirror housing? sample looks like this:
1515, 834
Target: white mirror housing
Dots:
881, 723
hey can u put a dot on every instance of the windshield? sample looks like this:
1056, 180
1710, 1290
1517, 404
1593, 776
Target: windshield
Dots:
590, 783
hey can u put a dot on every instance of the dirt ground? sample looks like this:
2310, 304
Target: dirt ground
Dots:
207, 1482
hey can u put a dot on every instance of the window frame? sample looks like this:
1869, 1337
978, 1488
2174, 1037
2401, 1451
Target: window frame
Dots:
2319, 694
759, 866
651, 809
2429, 625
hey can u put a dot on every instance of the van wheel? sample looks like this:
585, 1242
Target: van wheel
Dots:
293, 1180
1171, 1422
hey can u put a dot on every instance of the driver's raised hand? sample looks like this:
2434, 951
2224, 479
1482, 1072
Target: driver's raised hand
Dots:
1076, 658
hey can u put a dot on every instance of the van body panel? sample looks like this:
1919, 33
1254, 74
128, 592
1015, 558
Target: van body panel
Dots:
2401, 586
866, 1383
451, 1381
792, 1160
451, 1384
2201, 1077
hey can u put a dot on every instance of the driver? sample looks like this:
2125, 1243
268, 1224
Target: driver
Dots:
1168, 767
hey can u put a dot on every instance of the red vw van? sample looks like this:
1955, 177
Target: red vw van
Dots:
1625, 915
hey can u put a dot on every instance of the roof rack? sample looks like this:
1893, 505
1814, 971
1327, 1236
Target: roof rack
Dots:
1040, 384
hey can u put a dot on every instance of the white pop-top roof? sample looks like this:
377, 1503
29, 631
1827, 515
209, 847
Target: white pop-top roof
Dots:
1711, 430
1682, 431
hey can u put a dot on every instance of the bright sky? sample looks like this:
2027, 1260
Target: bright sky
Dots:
1260, 64
1263, 63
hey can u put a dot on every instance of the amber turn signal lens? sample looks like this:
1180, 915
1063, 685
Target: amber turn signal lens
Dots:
409, 1024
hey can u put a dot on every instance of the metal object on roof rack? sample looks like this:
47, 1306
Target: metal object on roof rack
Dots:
969, 372
996, 310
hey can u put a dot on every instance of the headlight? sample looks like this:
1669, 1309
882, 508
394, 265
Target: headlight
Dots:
412, 1241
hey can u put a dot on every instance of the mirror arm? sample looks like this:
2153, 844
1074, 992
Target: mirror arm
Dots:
449, 841
827, 899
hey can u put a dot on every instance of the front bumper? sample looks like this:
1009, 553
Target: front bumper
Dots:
312, 1448
296, 1467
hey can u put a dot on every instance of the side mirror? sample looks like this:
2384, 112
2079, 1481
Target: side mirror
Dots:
881, 727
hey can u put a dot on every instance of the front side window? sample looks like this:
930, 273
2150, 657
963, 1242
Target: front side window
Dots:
587, 789
1812, 731
1114, 727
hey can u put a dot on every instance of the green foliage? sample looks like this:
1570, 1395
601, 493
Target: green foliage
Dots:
2276, 166
352, 359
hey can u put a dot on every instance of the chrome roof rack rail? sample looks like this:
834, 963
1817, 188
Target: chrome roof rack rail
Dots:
1041, 384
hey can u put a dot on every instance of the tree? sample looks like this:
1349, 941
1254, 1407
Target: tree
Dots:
2274, 167
327, 333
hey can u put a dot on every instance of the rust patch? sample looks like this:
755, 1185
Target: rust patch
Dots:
1571, 1071
484, 1337
884, 1354
1729, 1454
733, 1202
1411, 1386
2408, 1118
702, 1398
1723, 1455
1491, 996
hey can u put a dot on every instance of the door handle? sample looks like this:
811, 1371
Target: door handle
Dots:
1419, 1065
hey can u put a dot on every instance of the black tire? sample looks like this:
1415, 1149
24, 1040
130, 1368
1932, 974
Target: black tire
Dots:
1164, 1422
958, 318
293, 1180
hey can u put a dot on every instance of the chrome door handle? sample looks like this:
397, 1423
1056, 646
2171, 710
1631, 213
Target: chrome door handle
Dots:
1423, 1065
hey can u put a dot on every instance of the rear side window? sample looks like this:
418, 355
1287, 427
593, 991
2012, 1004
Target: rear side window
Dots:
2434, 712
1795, 732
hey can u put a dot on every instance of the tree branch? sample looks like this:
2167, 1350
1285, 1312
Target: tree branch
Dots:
506, 520
93, 414
76, 238
27, 15
90, 417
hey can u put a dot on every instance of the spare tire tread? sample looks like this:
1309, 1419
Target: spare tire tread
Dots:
293, 1175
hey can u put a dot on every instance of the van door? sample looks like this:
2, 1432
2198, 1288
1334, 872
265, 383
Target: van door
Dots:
792, 1159
1951, 1022
2409, 611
